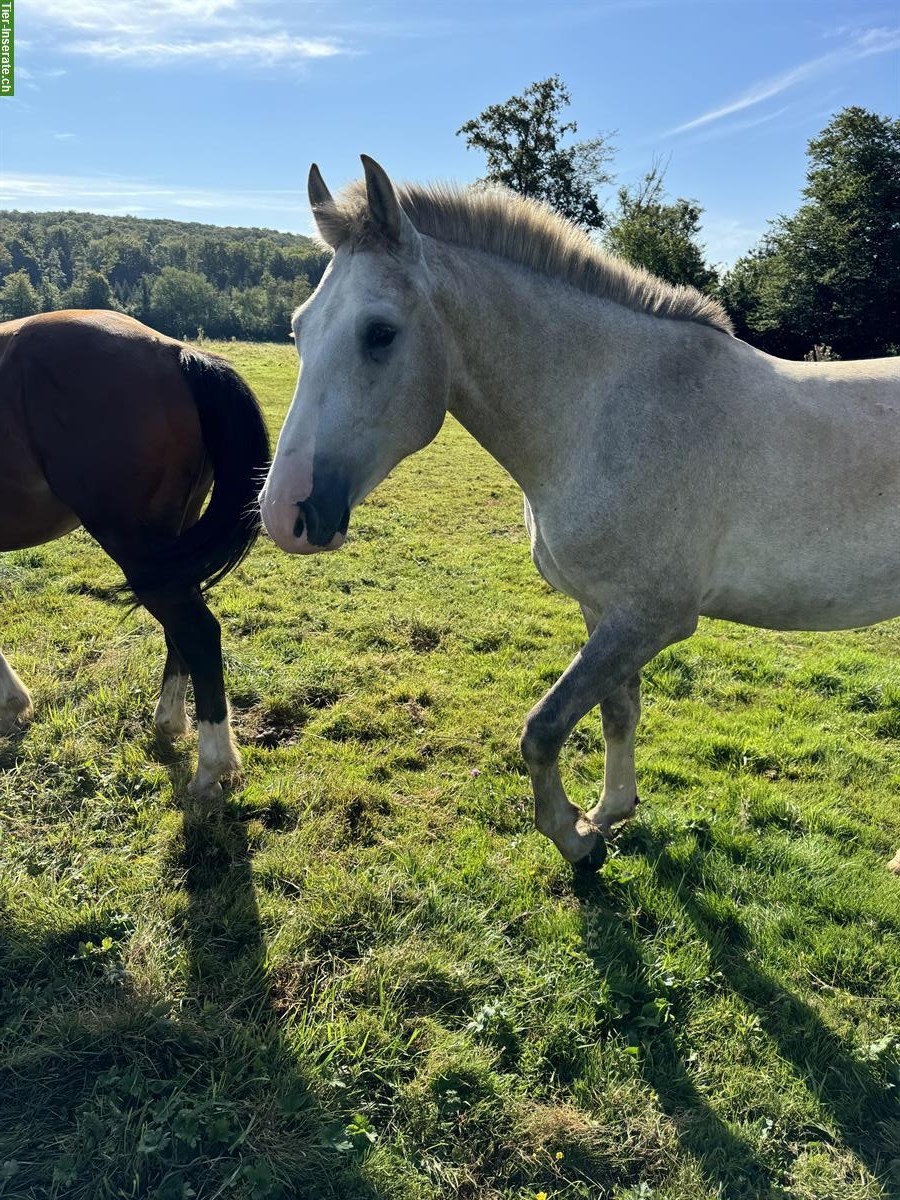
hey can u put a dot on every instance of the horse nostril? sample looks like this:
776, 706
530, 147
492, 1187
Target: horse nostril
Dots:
320, 518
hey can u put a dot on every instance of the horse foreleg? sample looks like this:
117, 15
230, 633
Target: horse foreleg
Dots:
621, 711
194, 633
604, 671
171, 717
15, 702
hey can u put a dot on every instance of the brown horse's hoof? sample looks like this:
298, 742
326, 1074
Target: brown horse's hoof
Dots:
594, 861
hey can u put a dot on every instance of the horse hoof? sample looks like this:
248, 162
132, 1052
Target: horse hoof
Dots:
592, 862
14, 720
208, 791
171, 731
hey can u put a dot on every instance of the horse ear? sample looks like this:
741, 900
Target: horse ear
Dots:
384, 207
318, 192
321, 202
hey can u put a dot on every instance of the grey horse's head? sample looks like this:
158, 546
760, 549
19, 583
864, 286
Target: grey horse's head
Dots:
374, 376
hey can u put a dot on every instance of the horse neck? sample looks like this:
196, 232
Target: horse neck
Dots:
532, 355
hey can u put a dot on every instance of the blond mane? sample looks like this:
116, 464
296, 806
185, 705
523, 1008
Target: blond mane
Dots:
525, 232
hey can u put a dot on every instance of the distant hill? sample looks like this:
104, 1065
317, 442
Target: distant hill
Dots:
182, 277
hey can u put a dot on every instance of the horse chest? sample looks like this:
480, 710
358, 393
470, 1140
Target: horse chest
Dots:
548, 553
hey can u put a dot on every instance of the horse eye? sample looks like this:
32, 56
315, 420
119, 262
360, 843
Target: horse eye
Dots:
379, 337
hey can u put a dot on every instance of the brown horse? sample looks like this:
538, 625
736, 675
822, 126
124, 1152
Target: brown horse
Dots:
107, 424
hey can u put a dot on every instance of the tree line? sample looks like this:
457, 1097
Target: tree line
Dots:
182, 278
824, 281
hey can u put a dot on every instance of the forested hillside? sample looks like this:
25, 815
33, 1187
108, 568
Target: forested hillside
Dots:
180, 277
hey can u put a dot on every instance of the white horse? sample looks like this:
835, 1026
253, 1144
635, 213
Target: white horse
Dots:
669, 470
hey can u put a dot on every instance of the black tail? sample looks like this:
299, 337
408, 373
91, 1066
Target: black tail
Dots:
236, 440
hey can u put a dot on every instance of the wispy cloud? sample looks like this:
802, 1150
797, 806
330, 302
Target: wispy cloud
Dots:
863, 45
114, 17
64, 137
83, 191
171, 32
732, 127
51, 73
264, 51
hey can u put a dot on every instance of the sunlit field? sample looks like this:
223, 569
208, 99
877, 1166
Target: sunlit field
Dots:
367, 976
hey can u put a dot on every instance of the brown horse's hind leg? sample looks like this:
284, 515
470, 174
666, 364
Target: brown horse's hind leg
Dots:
171, 717
193, 632
15, 702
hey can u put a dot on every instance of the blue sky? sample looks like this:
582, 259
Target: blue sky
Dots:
212, 110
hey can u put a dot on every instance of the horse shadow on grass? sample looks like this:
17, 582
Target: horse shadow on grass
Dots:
859, 1104
298, 1150
109, 1088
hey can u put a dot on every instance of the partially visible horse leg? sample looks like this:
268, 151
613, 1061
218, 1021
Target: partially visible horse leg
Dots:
612, 657
621, 711
15, 702
170, 716
194, 633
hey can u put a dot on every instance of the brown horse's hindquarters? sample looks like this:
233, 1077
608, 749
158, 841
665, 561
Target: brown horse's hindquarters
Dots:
127, 459
97, 427
32, 519
29, 512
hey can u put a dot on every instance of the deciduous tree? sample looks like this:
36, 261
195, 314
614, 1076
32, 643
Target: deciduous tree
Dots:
18, 297
662, 236
524, 141
830, 274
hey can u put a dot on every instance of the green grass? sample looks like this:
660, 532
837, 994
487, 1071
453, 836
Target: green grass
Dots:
367, 976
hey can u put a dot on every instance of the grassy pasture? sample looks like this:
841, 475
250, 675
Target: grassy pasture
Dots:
367, 977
